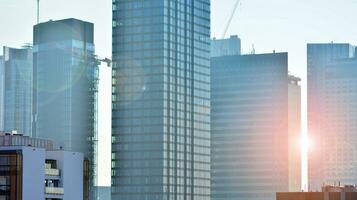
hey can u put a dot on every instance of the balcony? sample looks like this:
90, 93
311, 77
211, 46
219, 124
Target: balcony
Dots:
48, 166
54, 190
52, 172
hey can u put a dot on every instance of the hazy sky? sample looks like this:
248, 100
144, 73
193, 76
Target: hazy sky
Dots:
281, 25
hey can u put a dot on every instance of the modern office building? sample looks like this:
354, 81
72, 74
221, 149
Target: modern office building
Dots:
294, 130
339, 140
318, 57
65, 87
32, 169
348, 192
16, 90
2, 88
249, 126
226, 47
161, 100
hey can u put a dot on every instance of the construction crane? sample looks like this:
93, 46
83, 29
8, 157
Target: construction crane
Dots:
235, 7
104, 60
38, 11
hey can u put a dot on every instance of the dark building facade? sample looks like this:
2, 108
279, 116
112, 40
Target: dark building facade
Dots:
249, 126
161, 100
65, 87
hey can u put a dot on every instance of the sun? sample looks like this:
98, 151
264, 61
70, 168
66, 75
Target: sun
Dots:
305, 143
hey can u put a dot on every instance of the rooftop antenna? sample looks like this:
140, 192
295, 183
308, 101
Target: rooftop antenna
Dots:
38, 11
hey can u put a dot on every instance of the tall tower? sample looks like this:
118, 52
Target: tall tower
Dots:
339, 140
2, 87
249, 126
65, 87
318, 57
16, 88
161, 100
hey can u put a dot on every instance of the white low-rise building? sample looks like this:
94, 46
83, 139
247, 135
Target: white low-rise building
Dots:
31, 169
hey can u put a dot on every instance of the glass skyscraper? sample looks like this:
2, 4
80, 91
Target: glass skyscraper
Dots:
161, 100
318, 57
16, 100
340, 115
2, 87
249, 126
331, 114
65, 87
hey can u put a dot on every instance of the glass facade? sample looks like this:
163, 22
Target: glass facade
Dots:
161, 100
17, 90
318, 56
226, 47
340, 113
249, 126
66, 86
2, 87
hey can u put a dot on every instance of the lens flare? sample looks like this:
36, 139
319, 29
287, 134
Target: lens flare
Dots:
305, 146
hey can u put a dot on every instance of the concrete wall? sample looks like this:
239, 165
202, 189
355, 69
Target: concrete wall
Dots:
294, 129
300, 196
71, 166
33, 173
316, 196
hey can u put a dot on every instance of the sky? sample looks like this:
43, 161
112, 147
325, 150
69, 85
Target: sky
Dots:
280, 25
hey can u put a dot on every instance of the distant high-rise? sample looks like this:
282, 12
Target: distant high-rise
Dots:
294, 129
249, 126
16, 97
318, 57
161, 100
65, 86
226, 47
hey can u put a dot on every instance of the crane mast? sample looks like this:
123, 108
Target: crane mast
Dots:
38, 11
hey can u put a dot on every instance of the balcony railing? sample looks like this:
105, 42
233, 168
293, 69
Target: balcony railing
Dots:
48, 166
54, 190
52, 172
